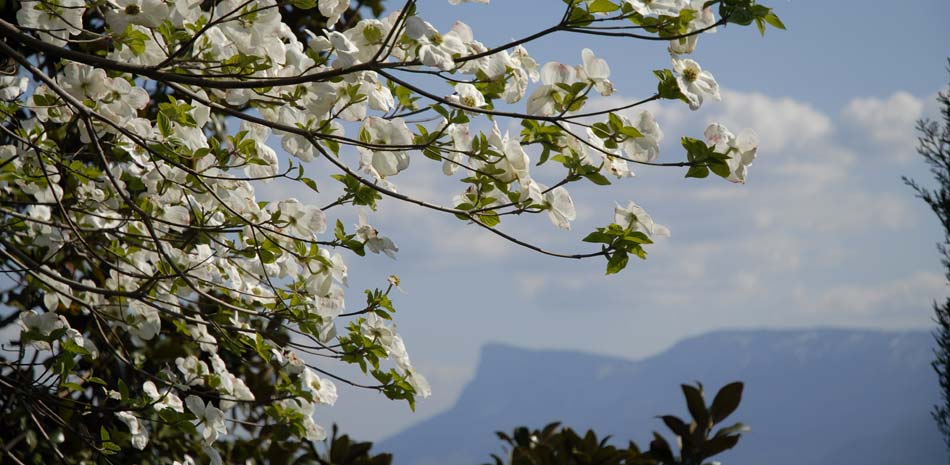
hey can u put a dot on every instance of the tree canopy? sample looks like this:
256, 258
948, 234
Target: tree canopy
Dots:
933, 145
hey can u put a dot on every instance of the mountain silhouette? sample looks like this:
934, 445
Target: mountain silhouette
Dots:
812, 397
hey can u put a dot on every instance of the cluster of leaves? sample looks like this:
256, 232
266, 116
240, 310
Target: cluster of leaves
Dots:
741, 12
746, 12
704, 159
621, 242
342, 450
554, 445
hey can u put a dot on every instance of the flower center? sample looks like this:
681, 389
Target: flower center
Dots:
372, 34
132, 10
690, 74
468, 101
437, 38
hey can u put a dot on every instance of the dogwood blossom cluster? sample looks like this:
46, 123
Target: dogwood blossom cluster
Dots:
138, 133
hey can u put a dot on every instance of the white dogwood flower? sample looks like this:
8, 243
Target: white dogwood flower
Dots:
467, 95
43, 324
54, 22
543, 101
435, 49
384, 132
139, 435
647, 147
694, 83
148, 13
12, 87
333, 9
635, 217
561, 207
209, 417
596, 71
372, 240
164, 399
657, 7
741, 149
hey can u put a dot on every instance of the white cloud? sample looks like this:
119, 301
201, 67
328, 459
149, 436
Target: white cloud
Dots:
889, 122
782, 123
690, 260
470, 243
819, 166
832, 211
530, 285
772, 252
917, 290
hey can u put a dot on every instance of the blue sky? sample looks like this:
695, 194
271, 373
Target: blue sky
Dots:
824, 233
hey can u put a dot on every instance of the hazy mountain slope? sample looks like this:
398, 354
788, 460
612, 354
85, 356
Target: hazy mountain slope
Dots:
812, 397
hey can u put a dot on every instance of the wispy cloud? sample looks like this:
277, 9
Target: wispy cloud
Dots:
888, 122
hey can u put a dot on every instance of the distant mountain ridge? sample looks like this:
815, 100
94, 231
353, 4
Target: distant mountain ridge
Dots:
813, 397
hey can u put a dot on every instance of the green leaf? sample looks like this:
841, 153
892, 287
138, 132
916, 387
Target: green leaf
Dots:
720, 169
667, 88
601, 130
602, 6
734, 429
719, 444
489, 218
123, 390
677, 426
134, 39
580, 18
261, 347
304, 4
695, 148
661, 449
617, 262
631, 131
164, 125
310, 183
441, 111
432, 153
773, 19
333, 145
71, 386
597, 178
615, 122
696, 405
637, 237
110, 448
726, 401
598, 237
697, 171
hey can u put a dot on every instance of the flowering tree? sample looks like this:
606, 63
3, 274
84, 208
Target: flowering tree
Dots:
165, 315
